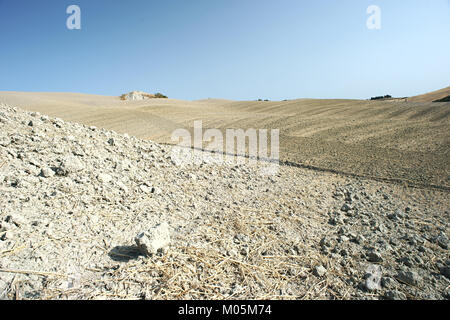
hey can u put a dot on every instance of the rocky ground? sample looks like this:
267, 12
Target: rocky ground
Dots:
79, 206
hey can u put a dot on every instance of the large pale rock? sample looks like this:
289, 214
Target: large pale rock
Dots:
158, 237
70, 164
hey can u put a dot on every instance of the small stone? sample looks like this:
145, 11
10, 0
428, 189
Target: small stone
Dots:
157, 238
359, 239
374, 256
395, 295
122, 187
445, 271
345, 208
334, 221
6, 226
148, 189
446, 293
7, 235
325, 242
70, 164
156, 190
373, 278
442, 241
374, 223
400, 214
372, 283
232, 253
388, 282
111, 142
408, 277
342, 230
245, 251
17, 220
418, 260
192, 177
16, 183
422, 249
144, 188
104, 178
407, 261
70, 138
319, 271
392, 216
240, 238
350, 214
47, 172
381, 228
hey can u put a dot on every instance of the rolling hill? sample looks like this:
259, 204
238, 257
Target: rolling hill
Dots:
431, 96
398, 141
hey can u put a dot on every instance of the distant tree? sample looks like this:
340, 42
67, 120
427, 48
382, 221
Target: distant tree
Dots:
160, 95
381, 97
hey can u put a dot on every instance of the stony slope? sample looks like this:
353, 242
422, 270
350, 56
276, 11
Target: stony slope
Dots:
73, 198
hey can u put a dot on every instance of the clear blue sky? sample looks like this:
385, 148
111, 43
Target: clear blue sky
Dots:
235, 49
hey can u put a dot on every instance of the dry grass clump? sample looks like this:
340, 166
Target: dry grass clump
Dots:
251, 255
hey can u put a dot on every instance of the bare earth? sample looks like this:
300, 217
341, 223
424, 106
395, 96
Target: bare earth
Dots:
360, 211
404, 142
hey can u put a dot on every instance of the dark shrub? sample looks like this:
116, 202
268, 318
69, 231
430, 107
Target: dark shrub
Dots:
381, 97
160, 95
